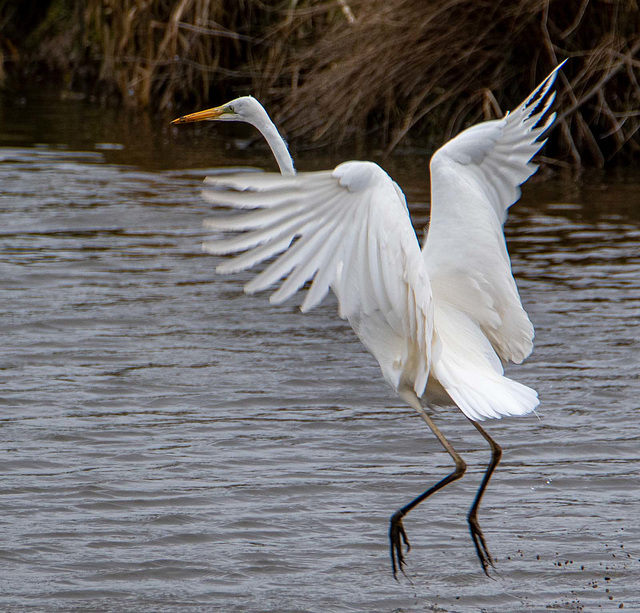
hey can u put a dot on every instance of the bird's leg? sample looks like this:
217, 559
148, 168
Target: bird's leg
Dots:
397, 534
476, 533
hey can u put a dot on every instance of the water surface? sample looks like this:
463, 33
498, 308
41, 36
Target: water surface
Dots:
168, 442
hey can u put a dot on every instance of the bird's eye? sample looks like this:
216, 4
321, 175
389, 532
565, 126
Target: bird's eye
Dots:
231, 109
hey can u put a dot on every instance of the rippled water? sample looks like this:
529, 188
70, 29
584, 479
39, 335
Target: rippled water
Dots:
168, 442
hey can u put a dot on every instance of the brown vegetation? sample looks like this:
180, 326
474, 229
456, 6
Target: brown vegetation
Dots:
387, 72
413, 67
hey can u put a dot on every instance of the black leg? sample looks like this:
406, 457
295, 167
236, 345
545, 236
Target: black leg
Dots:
397, 534
476, 533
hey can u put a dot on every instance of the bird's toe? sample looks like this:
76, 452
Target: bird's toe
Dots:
397, 538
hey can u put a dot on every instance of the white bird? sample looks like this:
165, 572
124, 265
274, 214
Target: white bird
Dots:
440, 320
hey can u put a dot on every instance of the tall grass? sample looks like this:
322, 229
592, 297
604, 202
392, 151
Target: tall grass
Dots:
387, 73
407, 69
162, 52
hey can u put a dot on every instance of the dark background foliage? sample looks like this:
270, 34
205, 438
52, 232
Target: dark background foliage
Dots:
378, 73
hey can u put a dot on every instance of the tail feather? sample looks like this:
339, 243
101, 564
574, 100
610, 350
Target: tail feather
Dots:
471, 373
483, 393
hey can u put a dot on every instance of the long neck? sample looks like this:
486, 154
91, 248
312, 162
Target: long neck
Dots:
276, 142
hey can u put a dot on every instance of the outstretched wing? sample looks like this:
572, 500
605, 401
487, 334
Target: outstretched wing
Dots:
475, 178
348, 230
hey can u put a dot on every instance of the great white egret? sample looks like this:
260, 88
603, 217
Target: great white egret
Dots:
440, 320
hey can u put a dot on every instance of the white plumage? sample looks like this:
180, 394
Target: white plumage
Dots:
441, 320
352, 234
451, 314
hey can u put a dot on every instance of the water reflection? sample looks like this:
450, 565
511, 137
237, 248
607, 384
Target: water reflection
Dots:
168, 441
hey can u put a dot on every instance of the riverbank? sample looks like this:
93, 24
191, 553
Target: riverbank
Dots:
381, 73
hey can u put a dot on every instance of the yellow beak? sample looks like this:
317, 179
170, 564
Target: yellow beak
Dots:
201, 115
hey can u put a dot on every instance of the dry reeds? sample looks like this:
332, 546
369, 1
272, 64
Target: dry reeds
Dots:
159, 52
411, 68
383, 72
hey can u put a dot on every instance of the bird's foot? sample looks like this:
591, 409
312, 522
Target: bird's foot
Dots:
397, 537
481, 545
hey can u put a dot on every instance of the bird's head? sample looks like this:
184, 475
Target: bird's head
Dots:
245, 109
